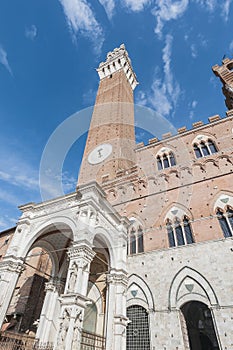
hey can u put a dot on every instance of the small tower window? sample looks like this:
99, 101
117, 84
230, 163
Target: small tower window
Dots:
165, 160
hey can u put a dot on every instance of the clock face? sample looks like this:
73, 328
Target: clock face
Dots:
100, 153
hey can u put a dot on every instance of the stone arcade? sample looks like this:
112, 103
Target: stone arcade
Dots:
140, 256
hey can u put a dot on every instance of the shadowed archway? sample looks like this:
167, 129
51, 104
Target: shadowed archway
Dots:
200, 326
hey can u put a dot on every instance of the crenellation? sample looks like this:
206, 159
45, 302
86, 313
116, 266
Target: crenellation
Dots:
214, 118
182, 129
197, 124
166, 135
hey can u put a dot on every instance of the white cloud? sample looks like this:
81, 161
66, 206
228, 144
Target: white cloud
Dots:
193, 50
166, 10
4, 60
194, 104
209, 5
81, 20
21, 175
226, 9
213, 5
136, 5
31, 32
109, 6
164, 92
231, 47
8, 197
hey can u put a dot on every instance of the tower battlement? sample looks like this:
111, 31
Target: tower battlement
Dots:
116, 60
225, 73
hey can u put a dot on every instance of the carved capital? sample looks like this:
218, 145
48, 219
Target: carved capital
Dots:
119, 278
12, 264
81, 252
55, 285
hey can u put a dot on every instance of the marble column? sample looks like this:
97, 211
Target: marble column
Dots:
116, 310
10, 270
50, 312
74, 299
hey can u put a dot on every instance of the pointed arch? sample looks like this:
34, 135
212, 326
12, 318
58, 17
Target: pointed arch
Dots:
144, 298
208, 296
109, 241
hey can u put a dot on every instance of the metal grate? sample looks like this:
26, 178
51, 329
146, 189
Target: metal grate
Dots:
91, 341
138, 337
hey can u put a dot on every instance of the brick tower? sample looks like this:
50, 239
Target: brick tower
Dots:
111, 138
225, 73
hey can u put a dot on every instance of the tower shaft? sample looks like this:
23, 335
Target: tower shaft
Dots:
111, 137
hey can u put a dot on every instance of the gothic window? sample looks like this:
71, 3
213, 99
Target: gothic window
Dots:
136, 239
140, 240
197, 151
132, 238
137, 336
165, 159
226, 221
159, 163
179, 232
204, 148
212, 146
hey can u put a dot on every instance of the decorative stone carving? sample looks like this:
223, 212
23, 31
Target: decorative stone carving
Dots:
118, 278
81, 251
77, 330
55, 285
73, 278
63, 330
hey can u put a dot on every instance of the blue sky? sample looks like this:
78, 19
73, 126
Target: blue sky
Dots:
48, 54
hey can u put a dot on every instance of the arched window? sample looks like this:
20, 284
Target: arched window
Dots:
170, 233
197, 151
172, 159
179, 232
204, 149
212, 146
138, 335
203, 146
165, 159
159, 163
226, 221
136, 239
140, 240
132, 238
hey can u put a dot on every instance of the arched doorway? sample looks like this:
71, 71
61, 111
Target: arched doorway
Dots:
138, 337
28, 297
200, 327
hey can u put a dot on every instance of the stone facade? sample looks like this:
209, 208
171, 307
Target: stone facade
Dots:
141, 253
